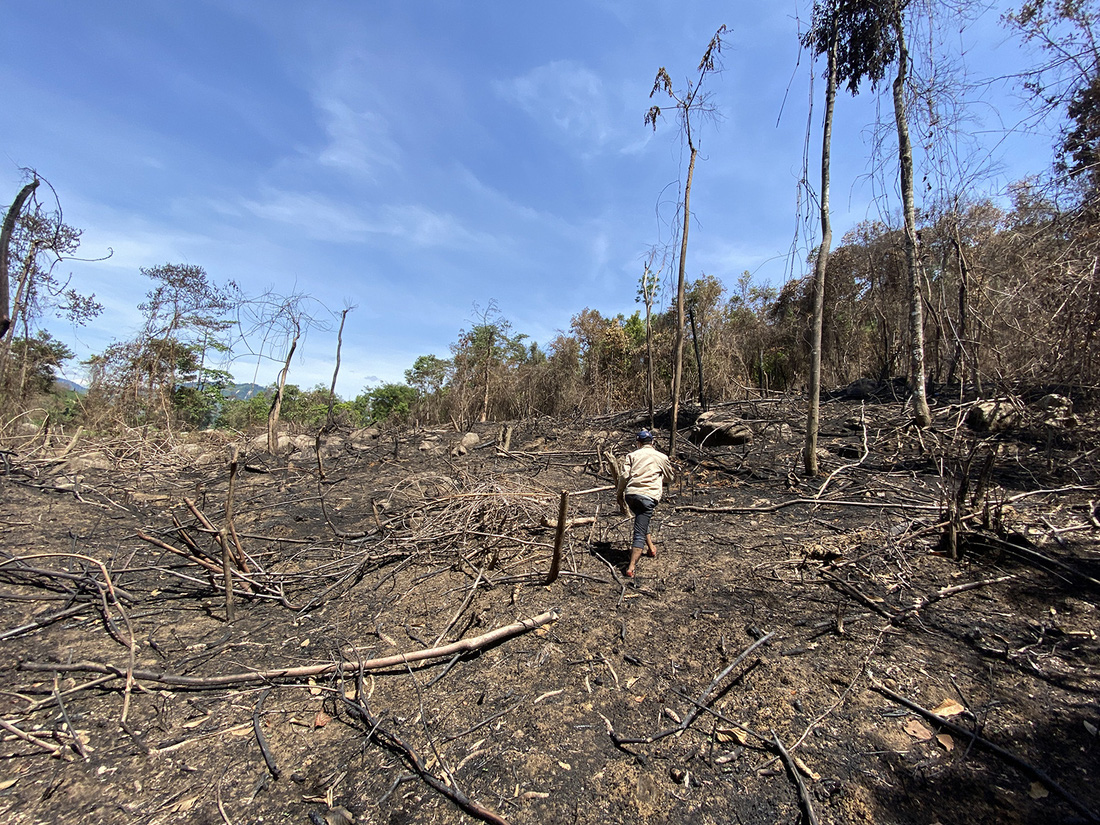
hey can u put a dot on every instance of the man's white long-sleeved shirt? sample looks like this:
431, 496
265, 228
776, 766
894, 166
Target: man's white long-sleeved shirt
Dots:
646, 472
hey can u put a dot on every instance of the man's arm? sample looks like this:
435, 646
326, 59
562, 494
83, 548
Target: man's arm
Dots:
620, 486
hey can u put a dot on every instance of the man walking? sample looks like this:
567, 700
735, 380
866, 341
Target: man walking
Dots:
641, 483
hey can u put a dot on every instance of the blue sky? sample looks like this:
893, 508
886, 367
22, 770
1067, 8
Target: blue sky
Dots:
417, 157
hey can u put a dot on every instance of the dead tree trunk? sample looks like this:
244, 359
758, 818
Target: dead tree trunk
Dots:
921, 413
678, 362
698, 358
330, 421
813, 413
5, 242
277, 401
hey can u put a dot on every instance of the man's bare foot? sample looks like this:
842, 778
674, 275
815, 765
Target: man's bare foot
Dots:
629, 573
651, 548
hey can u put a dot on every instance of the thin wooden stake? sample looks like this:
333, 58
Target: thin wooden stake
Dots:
227, 574
559, 537
242, 559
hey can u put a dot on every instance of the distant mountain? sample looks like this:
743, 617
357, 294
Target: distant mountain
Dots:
66, 384
242, 392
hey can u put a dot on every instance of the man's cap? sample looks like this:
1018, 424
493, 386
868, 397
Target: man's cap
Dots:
645, 435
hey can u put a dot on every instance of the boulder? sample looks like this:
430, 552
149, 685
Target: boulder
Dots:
303, 443
89, 461
712, 430
1057, 411
197, 454
465, 444
862, 389
360, 439
995, 415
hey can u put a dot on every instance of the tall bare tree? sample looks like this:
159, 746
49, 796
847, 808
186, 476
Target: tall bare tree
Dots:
921, 414
41, 241
690, 102
646, 292
822, 38
330, 420
271, 327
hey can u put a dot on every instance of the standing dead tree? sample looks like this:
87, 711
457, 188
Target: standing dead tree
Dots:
647, 291
5, 242
690, 102
330, 420
279, 323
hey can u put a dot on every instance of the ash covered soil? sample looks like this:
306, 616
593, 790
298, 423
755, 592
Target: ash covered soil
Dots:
780, 610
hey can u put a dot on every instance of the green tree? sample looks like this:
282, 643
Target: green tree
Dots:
244, 413
429, 376
41, 356
484, 361
169, 360
389, 402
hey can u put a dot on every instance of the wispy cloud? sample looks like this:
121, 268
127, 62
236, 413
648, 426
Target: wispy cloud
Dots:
571, 99
327, 219
422, 226
315, 216
358, 139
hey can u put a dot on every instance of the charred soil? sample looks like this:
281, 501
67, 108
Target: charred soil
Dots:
788, 633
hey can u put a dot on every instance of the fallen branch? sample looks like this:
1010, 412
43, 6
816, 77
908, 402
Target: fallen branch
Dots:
54, 750
700, 704
573, 522
482, 723
792, 769
465, 603
857, 594
945, 592
269, 757
41, 621
395, 743
108, 596
862, 458
68, 722
250, 677
603, 489
20, 569
772, 508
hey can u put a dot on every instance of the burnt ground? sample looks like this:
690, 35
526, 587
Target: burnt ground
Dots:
842, 583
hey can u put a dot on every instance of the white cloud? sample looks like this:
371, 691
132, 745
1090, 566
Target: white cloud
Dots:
569, 97
426, 227
315, 216
326, 219
358, 139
